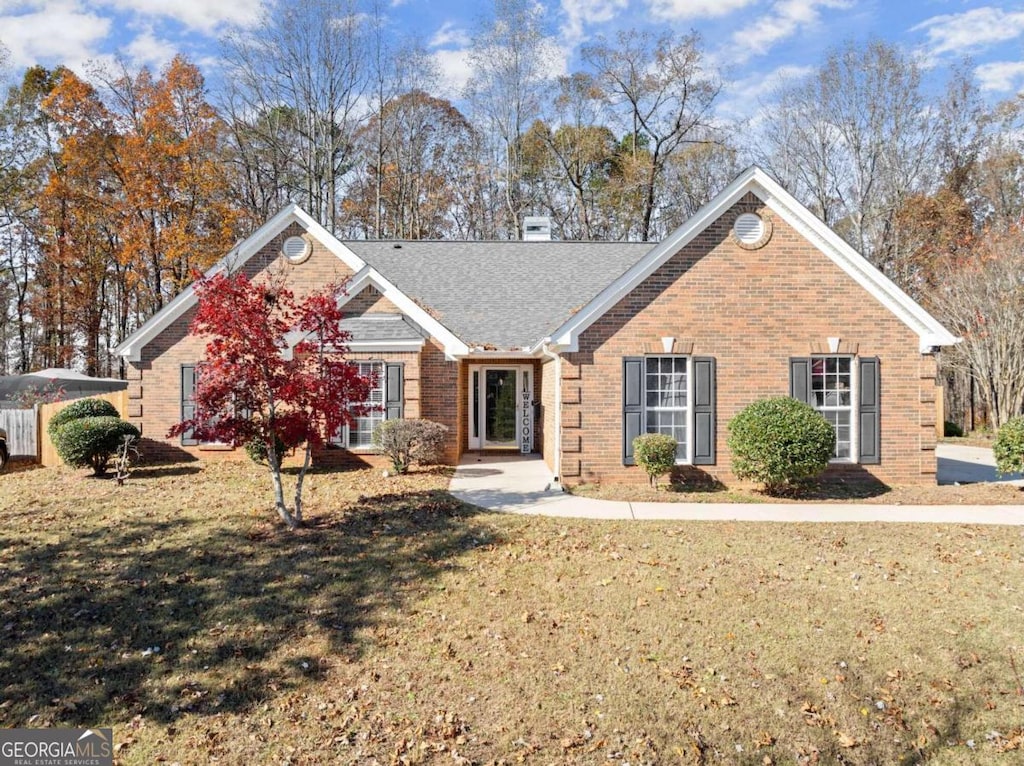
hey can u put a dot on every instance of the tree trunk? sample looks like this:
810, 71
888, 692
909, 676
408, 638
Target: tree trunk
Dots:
275, 474
306, 460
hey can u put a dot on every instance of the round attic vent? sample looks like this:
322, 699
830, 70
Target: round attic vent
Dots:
296, 249
751, 230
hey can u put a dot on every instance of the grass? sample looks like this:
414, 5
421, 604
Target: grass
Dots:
401, 626
858, 491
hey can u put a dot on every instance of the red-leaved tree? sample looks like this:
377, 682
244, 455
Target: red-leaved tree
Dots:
274, 372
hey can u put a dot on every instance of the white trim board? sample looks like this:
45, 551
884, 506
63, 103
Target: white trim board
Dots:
370, 277
929, 330
131, 347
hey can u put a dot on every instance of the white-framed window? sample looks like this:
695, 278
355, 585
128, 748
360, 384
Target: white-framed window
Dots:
832, 396
666, 399
360, 434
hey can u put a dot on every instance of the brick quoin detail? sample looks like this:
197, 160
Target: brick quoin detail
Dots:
752, 310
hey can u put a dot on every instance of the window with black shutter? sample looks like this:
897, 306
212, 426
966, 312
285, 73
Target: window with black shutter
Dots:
673, 395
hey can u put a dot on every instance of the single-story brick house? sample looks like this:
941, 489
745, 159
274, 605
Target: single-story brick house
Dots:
570, 349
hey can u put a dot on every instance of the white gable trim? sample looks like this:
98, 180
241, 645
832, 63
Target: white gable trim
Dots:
370, 277
132, 346
453, 346
930, 332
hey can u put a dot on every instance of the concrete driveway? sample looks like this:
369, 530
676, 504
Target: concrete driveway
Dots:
959, 464
522, 484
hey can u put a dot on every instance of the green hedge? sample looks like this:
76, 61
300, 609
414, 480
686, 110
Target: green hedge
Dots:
81, 408
92, 441
779, 443
1008, 447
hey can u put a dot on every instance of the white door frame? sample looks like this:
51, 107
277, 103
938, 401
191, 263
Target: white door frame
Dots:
524, 383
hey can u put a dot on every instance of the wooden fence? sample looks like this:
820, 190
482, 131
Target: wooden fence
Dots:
47, 453
21, 432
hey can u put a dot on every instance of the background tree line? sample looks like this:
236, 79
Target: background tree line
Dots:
115, 186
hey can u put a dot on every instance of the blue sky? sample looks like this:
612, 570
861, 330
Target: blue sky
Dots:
754, 42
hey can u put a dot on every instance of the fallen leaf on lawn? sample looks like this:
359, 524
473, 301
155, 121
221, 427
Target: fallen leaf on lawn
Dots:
764, 739
845, 740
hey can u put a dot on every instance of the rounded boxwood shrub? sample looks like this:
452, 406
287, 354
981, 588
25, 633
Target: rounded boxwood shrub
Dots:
92, 441
656, 454
779, 443
1008, 447
81, 408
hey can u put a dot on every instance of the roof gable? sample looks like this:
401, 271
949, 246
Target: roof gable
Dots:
244, 251
754, 180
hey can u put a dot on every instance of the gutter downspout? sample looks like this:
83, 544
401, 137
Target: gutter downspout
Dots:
556, 484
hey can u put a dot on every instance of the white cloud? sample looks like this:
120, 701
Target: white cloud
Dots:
969, 31
455, 68
203, 15
50, 33
579, 13
674, 10
743, 98
449, 34
785, 19
455, 71
1001, 76
148, 50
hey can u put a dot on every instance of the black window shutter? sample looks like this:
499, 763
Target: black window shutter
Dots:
393, 399
869, 412
704, 410
188, 404
632, 404
800, 379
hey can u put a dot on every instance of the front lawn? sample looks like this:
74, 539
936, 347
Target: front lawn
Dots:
401, 626
858, 491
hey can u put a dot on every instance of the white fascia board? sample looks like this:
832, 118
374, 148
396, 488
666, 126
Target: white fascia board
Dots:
930, 332
369, 276
567, 336
537, 350
132, 346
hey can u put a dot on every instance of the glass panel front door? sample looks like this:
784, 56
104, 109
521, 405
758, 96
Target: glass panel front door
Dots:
500, 407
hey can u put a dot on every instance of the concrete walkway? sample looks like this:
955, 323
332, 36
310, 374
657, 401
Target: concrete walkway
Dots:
514, 484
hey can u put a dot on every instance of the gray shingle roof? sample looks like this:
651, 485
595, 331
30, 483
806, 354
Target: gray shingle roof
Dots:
378, 327
502, 294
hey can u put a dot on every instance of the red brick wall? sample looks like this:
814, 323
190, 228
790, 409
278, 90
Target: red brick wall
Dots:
155, 383
752, 310
441, 396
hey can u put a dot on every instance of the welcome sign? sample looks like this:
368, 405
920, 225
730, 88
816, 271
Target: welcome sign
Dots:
526, 410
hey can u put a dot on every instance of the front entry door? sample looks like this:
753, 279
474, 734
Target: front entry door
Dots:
501, 407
